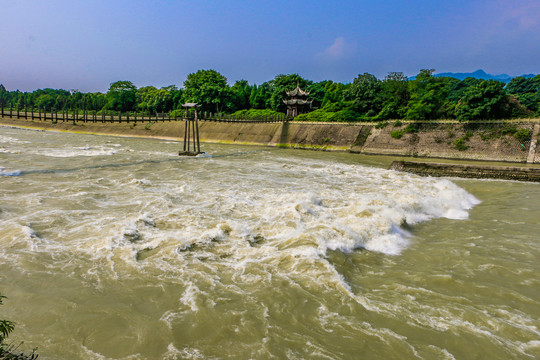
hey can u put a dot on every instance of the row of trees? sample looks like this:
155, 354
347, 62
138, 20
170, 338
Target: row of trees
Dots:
365, 98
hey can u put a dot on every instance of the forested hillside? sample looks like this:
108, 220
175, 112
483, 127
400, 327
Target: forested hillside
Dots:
366, 98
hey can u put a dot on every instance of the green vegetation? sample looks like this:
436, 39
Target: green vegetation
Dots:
397, 134
523, 135
8, 352
256, 114
366, 98
460, 144
496, 132
6, 326
411, 128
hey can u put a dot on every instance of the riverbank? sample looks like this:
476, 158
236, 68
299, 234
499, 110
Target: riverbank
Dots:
468, 171
503, 142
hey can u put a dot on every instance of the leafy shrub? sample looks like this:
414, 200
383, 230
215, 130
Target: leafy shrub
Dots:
460, 145
411, 128
397, 123
508, 129
523, 135
6, 326
397, 134
381, 125
321, 115
255, 114
468, 135
346, 115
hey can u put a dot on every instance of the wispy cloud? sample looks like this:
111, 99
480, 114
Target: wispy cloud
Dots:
526, 15
515, 17
340, 49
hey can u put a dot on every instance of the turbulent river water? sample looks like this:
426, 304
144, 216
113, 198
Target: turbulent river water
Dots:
116, 248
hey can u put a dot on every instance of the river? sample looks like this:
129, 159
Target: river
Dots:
117, 248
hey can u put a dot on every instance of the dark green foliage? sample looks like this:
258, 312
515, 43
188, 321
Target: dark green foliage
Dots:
427, 95
8, 352
241, 93
6, 326
397, 123
381, 125
486, 100
11, 353
334, 99
364, 93
394, 96
209, 88
151, 100
4, 95
397, 134
523, 135
498, 131
411, 128
122, 96
260, 96
280, 85
256, 114
526, 91
367, 98
321, 115
317, 93
460, 144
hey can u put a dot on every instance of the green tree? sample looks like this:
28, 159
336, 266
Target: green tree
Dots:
241, 93
122, 96
45, 101
458, 88
317, 92
484, 101
527, 91
334, 96
427, 95
364, 93
4, 96
394, 96
260, 96
208, 88
280, 85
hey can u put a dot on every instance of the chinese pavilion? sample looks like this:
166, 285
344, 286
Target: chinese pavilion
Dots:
297, 103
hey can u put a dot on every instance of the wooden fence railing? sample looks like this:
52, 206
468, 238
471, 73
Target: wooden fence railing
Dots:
109, 116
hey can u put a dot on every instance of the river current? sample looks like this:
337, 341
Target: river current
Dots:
117, 248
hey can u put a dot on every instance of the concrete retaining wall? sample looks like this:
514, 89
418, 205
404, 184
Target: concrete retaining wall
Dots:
433, 140
468, 171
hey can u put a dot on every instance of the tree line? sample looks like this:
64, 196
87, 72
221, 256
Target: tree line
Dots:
366, 98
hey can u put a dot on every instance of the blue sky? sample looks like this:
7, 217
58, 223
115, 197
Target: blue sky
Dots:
86, 45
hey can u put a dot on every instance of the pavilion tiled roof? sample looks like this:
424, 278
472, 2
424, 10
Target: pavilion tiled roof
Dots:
297, 92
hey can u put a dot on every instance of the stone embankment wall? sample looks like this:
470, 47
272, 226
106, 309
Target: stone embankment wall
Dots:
469, 171
482, 141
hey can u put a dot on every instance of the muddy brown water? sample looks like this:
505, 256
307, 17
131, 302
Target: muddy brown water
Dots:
116, 248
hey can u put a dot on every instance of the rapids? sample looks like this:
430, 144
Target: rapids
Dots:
116, 248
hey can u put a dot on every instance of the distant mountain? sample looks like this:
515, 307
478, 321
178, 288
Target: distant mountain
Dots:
479, 74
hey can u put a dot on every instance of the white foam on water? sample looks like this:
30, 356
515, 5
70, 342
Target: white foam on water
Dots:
4, 172
11, 140
81, 151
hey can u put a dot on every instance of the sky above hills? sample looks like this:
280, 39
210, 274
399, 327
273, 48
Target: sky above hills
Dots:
86, 45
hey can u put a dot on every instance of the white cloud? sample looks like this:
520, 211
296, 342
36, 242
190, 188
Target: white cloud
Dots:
340, 49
